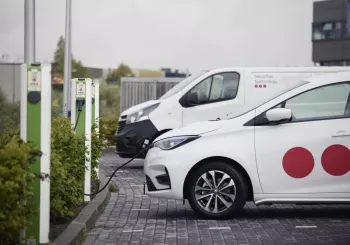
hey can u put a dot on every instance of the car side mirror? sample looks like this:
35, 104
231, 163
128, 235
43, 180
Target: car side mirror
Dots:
192, 98
279, 115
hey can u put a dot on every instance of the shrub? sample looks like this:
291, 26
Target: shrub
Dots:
109, 100
67, 169
16, 158
9, 113
108, 128
96, 153
113, 188
57, 98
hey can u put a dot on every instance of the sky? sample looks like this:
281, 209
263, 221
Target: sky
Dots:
192, 34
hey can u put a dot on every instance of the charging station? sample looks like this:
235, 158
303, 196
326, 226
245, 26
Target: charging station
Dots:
96, 109
35, 127
81, 115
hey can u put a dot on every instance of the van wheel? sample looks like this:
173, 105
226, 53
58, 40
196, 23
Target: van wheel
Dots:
216, 190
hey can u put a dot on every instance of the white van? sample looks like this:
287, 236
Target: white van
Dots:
207, 95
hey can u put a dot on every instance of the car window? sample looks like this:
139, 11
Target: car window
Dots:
219, 87
224, 86
202, 90
322, 102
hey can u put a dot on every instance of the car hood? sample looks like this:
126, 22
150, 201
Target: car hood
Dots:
138, 107
197, 128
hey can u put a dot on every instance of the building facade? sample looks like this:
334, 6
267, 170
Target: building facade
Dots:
331, 33
168, 72
10, 81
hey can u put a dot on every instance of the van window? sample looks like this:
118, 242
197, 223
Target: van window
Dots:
181, 85
324, 102
215, 88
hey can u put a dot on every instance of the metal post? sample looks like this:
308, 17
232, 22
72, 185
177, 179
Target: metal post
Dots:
29, 31
69, 41
66, 61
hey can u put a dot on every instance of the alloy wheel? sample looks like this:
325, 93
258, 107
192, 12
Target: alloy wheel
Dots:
215, 191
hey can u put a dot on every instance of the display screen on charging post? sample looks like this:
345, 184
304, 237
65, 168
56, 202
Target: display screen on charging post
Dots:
80, 91
34, 86
80, 95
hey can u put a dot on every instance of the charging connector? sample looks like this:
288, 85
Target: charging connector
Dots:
80, 104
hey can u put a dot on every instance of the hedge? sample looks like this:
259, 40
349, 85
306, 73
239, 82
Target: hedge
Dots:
68, 166
66, 178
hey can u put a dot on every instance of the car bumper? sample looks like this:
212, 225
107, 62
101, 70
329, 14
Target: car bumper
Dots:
166, 172
130, 137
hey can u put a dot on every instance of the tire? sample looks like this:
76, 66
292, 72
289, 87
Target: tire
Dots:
221, 203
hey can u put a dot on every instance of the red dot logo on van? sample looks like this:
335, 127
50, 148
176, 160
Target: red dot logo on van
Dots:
264, 85
256, 85
336, 160
260, 86
298, 162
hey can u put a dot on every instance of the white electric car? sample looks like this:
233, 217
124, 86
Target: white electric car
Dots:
291, 149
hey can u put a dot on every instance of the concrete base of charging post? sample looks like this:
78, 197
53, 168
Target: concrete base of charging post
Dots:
76, 232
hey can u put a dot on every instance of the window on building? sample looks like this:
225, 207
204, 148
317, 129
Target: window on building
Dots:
329, 30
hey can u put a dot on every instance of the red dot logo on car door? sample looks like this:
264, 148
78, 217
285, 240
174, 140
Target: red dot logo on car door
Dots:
336, 160
298, 162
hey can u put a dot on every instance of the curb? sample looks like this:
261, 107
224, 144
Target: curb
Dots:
77, 230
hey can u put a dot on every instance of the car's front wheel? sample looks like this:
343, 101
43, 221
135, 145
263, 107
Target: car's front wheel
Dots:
216, 190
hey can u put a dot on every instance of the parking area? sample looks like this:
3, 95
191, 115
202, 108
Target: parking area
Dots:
133, 218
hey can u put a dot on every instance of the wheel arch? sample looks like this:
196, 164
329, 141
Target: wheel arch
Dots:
227, 160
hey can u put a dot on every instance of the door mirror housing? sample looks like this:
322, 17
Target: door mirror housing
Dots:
192, 98
279, 115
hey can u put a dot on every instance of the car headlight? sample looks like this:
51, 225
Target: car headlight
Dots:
174, 142
141, 114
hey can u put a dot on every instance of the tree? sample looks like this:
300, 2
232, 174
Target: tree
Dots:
78, 69
123, 70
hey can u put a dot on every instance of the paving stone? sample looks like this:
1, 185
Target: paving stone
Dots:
171, 222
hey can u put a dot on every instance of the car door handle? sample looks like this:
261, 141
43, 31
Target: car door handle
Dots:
340, 134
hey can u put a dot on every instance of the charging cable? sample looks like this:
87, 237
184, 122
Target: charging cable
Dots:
80, 108
110, 178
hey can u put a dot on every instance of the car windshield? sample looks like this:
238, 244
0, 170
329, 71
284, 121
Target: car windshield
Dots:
181, 85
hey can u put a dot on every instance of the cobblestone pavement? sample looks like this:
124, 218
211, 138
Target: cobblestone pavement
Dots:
132, 218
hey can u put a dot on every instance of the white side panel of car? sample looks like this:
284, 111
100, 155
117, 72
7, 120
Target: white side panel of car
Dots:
310, 154
293, 152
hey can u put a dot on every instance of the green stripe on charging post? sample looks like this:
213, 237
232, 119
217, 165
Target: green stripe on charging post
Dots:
36, 128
